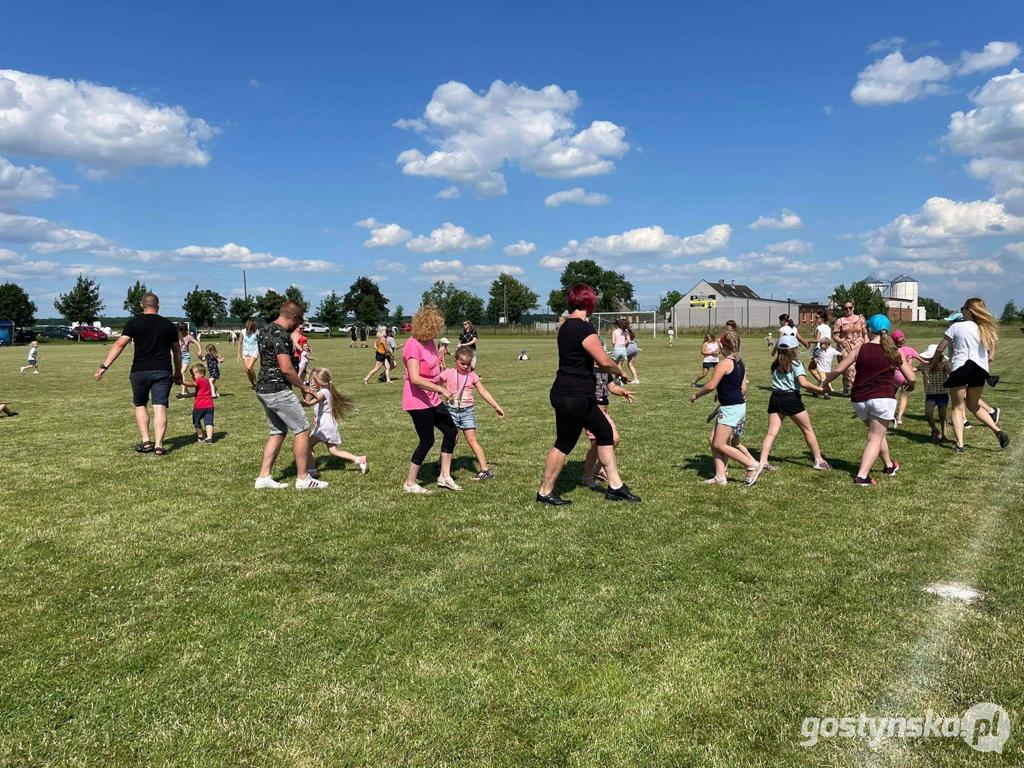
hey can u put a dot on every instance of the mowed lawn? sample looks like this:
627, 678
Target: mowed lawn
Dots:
162, 612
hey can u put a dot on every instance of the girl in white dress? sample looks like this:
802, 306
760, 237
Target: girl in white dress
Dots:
329, 405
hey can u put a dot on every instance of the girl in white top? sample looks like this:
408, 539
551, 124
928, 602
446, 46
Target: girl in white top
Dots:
620, 340
823, 330
972, 344
709, 353
329, 405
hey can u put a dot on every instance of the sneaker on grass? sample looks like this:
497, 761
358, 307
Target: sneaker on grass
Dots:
821, 466
309, 483
1004, 439
269, 482
865, 481
892, 469
414, 488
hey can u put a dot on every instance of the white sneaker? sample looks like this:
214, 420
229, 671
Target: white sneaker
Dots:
363, 466
447, 482
309, 482
635, 381
414, 488
269, 482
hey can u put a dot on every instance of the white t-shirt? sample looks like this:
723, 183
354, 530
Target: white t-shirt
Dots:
823, 358
965, 343
33, 353
824, 331
712, 356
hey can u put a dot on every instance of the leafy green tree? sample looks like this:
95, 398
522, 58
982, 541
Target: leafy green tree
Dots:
508, 293
243, 307
82, 304
204, 308
1010, 313
455, 304
866, 299
556, 301
16, 306
269, 305
614, 291
330, 311
933, 309
399, 315
294, 293
354, 302
668, 301
133, 298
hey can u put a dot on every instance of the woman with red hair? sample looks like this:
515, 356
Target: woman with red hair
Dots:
574, 398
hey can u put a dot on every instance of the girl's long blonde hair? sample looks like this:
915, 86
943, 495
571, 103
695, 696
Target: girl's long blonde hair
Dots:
889, 348
211, 349
340, 404
730, 342
985, 321
784, 359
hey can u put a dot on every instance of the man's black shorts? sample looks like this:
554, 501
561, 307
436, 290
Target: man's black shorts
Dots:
145, 383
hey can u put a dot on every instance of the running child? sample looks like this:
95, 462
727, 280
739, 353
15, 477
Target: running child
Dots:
873, 394
592, 470
460, 381
442, 351
709, 352
33, 358
213, 361
632, 350
329, 406
821, 361
202, 408
303, 367
788, 376
729, 382
671, 337
910, 354
936, 396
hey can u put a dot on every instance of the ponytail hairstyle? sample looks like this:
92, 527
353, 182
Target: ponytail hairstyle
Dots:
730, 342
892, 352
250, 326
985, 321
340, 404
784, 359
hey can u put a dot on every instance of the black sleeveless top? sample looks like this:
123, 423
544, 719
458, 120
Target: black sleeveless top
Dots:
730, 388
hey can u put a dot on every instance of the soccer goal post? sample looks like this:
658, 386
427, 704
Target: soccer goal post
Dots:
641, 322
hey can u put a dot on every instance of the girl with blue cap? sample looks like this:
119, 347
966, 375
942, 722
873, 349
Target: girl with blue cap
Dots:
874, 393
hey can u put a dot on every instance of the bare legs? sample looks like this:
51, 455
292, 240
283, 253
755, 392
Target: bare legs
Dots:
300, 446
964, 400
938, 428
723, 449
376, 367
632, 369
445, 472
159, 423
477, 449
250, 364
876, 446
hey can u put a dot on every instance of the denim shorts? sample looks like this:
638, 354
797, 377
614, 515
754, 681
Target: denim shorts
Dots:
284, 412
618, 352
202, 416
155, 383
464, 418
734, 416
940, 399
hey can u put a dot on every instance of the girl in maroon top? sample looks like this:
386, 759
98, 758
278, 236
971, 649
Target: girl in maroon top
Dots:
874, 393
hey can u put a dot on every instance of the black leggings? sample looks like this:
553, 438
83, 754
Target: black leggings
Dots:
425, 420
573, 413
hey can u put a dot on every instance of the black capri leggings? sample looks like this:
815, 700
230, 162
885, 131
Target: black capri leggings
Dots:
425, 420
573, 413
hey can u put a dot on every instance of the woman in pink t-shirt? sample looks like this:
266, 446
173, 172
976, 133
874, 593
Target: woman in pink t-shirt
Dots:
424, 398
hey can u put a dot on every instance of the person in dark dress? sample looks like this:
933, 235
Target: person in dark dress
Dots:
575, 402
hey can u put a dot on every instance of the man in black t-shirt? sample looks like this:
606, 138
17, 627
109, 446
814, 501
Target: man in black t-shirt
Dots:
156, 367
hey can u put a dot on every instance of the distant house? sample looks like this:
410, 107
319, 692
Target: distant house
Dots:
710, 304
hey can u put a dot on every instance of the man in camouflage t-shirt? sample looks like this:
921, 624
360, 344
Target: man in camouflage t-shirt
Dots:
274, 390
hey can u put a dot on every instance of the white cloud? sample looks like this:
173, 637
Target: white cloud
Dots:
994, 54
383, 235
993, 132
240, 256
13, 267
647, 241
893, 79
448, 237
519, 248
786, 220
449, 193
23, 184
456, 271
575, 196
893, 43
436, 265
477, 134
45, 236
98, 126
389, 266
790, 247
553, 262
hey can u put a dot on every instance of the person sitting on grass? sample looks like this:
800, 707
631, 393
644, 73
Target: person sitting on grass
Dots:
5, 410
330, 406
460, 381
202, 408
788, 376
873, 394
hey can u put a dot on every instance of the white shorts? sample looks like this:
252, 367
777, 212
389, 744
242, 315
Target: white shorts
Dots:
882, 408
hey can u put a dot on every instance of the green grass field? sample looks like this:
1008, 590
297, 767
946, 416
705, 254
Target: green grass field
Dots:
162, 612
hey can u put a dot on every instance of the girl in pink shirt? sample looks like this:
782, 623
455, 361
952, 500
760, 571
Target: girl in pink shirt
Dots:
460, 381
423, 398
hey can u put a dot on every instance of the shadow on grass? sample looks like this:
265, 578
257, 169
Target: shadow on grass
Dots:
182, 441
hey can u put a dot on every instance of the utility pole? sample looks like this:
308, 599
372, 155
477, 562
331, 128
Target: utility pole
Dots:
245, 286
504, 285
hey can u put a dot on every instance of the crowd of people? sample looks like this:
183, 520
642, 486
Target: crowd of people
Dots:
878, 367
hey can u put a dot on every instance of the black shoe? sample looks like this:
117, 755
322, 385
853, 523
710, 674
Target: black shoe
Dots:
622, 493
553, 500
959, 449
1004, 439
994, 413
993, 380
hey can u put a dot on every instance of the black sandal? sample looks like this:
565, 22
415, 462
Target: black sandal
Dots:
159, 451
144, 447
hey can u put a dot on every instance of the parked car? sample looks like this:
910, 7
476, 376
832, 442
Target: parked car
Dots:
345, 328
315, 328
24, 336
88, 333
406, 327
55, 332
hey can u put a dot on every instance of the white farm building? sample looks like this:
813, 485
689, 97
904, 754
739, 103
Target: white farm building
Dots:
712, 303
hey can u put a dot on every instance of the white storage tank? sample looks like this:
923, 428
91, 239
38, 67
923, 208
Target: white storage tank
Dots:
878, 284
905, 287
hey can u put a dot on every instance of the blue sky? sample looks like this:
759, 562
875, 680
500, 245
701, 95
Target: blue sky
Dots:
228, 136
